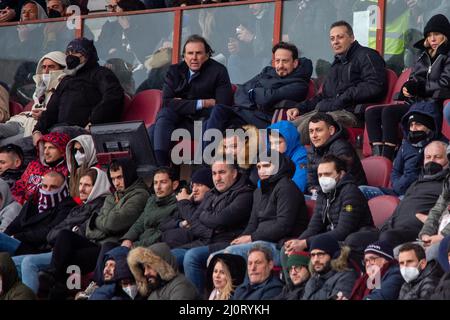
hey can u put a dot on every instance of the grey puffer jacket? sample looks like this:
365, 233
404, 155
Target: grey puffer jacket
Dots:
423, 287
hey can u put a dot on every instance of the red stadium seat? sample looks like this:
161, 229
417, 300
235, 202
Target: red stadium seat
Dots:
29, 106
310, 205
367, 149
382, 208
378, 171
14, 108
144, 106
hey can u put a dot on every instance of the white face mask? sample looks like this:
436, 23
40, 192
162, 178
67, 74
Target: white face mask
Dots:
80, 158
327, 184
131, 291
409, 273
46, 78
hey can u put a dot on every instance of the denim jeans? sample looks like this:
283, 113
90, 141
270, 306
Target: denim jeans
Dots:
371, 192
447, 113
193, 262
242, 250
8, 244
28, 267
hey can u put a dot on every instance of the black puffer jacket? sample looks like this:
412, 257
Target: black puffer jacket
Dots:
78, 216
269, 88
421, 196
222, 216
358, 77
430, 74
31, 227
279, 211
211, 82
423, 287
93, 95
339, 213
340, 147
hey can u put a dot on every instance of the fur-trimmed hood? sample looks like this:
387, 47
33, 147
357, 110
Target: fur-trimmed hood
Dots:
158, 257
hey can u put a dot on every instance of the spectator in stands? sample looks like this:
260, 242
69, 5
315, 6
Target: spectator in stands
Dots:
262, 284
49, 73
421, 125
437, 224
442, 291
27, 234
278, 213
328, 137
191, 89
382, 272
249, 47
287, 142
405, 225
341, 211
80, 156
366, 82
118, 281
88, 94
239, 144
93, 189
124, 73
9, 11
225, 273
331, 270
157, 276
420, 275
4, 102
57, 8
51, 153
221, 217
11, 288
162, 205
255, 101
175, 228
118, 213
297, 268
9, 208
427, 83
11, 164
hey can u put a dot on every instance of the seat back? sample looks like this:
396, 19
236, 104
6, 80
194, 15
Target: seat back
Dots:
144, 106
281, 114
310, 205
391, 84
378, 171
382, 208
14, 108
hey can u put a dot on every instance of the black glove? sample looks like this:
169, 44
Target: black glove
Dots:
415, 88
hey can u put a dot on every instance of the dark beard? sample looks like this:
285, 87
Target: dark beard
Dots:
156, 284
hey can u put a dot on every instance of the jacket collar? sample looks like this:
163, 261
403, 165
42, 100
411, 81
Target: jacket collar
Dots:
345, 58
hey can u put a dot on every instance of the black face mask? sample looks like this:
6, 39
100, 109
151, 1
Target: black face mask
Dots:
72, 62
431, 168
417, 136
54, 14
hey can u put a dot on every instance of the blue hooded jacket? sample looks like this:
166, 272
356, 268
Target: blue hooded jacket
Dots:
294, 150
409, 159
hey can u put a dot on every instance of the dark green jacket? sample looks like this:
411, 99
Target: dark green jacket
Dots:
12, 288
145, 231
117, 216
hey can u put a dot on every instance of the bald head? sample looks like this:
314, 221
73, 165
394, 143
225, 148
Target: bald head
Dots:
436, 151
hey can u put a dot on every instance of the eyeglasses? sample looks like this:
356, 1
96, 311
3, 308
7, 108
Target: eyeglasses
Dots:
371, 260
297, 268
318, 255
110, 7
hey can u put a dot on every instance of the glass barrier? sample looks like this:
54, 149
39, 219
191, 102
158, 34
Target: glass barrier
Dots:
307, 25
241, 36
22, 48
405, 21
138, 48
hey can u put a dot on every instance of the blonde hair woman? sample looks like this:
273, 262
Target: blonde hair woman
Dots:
225, 272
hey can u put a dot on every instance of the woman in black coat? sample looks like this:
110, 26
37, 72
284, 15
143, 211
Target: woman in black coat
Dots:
429, 81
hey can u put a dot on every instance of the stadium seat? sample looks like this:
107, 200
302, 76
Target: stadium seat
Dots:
367, 149
378, 171
382, 208
29, 106
280, 114
310, 205
144, 106
445, 125
14, 108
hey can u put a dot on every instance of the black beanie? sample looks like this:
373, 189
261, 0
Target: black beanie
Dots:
438, 23
203, 176
326, 243
427, 121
